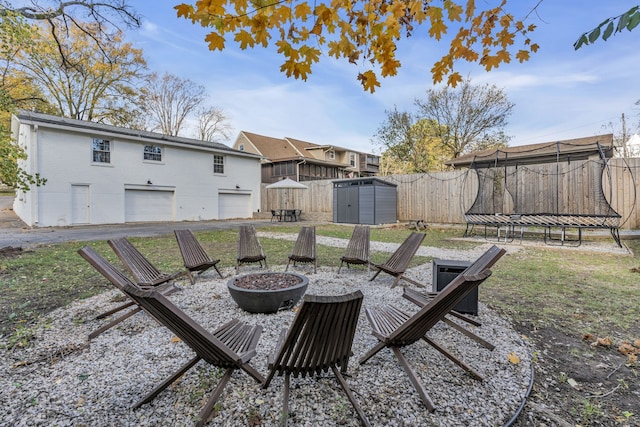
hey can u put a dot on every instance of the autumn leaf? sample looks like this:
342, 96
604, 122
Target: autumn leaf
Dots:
513, 358
215, 41
184, 10
602, 342
175, 340
369, 80
626, 348
522, 55
244, 39
588, 337
361, 32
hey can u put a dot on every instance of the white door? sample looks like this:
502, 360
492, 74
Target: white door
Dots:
148, 206
234, 206
80, 204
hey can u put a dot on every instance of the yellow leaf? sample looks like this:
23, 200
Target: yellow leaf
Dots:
184, 10
390, 67
215, 41
369, 80
175, 339
302, 11
522, 55
244, 39
454, 79
513, 358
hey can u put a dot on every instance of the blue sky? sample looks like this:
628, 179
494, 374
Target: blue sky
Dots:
558, 94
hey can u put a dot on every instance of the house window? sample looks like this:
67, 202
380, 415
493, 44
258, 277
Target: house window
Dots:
241, 147
352, 159
218, 164
331, 154
101, 151
153, 152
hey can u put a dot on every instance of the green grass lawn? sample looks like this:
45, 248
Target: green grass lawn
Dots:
578, 291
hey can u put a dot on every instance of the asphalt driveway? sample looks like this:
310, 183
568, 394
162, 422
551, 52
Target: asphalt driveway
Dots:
14, 232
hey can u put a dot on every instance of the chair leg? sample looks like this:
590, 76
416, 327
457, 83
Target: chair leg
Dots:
190, 276
285, 400
115, 310
454, 359
287, 267
486, 344
219, 274
111, 324
205, 413
166, 383
341, 262
375, 275
352, 399
413, 377
371, 352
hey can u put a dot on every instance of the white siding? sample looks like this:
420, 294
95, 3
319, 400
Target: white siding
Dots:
62, 155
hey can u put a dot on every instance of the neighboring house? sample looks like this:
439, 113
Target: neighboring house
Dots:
305, 161
102, 174
633, 146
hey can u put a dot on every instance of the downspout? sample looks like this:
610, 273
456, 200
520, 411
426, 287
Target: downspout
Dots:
35, 196
303, 161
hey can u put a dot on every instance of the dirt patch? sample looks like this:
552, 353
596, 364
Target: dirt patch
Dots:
577, 383
11, 252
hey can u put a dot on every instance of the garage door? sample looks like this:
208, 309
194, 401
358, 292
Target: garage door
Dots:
148, 205
234, 206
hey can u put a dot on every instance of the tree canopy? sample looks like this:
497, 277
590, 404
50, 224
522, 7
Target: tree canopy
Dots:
365, 32
89, 84
448, 123
471, 117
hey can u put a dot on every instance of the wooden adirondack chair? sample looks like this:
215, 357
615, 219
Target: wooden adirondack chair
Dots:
395, 329
196, 259
144, 273
119, 280
399, 261
319, 339
231, 347
249, 248
357, 252
422, 299
304, 249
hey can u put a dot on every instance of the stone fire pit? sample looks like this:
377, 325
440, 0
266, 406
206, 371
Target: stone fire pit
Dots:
267, 292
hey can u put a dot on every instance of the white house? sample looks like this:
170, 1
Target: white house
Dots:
102, 174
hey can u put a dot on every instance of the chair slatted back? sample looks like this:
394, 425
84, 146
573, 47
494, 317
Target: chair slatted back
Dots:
140, 268
249, 247
104, 267
358, 246
305, 247
320, 336
206, 345
193, 254
400, 259
415, 327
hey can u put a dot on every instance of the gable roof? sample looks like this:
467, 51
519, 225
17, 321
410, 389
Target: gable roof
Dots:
283, 149
542, 152
30, 117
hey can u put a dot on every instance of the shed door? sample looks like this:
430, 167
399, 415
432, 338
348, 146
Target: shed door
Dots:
347, 207
148, 206
234, 206
80, 204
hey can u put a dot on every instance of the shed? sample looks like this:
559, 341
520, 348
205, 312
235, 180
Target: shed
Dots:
364, 201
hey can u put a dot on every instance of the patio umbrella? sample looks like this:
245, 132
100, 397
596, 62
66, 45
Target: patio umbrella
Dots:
286, 184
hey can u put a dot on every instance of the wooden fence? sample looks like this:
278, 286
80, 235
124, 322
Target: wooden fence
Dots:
444, 197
